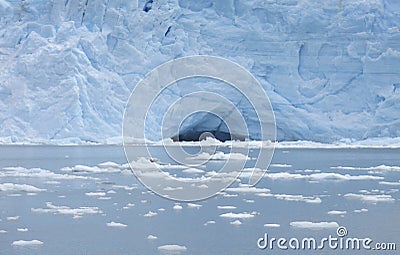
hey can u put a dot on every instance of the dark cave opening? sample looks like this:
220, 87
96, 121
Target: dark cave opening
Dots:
200, 126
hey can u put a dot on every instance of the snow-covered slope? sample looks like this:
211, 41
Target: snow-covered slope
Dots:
330, 68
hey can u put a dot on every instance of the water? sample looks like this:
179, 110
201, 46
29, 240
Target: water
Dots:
89, 234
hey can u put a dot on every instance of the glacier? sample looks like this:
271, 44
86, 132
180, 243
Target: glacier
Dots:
330, 68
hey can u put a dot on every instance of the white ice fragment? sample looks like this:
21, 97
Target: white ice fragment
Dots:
226, 207
116, 225
335, 212
27, 243
12, 187
177, 207
272, 225
192, 205
314, 225
150, 214
236, 222
172, 248
12, 218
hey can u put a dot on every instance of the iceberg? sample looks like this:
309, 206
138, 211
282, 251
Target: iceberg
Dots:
68, 67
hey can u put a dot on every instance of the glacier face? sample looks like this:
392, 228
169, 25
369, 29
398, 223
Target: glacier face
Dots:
330, 68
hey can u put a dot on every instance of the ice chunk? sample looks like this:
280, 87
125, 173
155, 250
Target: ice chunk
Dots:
116, 225
27, 243
314, 225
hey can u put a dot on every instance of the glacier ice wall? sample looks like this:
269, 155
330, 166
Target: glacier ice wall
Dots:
330, 68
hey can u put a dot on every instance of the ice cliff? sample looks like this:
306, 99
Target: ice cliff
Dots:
67, 67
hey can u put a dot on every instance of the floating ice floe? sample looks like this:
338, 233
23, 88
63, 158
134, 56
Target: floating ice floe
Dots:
372, 168
370, 198
247, 189
150, 214
27, 243
78, 212
244, 215
22, 229
334, 212
272, 225
172, 248
39, 173
236, 222
177, 207
192, 205
13, 218
172, 188
298, 198
12, 187
220, 156
226, 207
125, 187
250, 201
3, 231
152, 237
280, 165
116, 225
209, 222
314, 225
390, 183
321, 176
193, 171
360, 210
95, 194
90, 169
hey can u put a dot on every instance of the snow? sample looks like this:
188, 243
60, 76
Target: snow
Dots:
116, 225
27, 243
314, 225
19, 187
172, 248
329, 69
